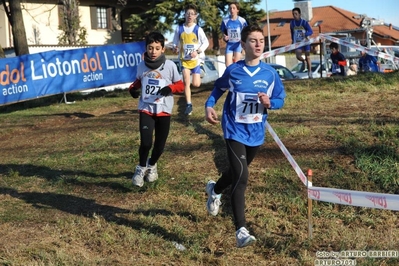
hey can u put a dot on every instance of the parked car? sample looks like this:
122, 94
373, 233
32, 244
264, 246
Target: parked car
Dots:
301, 69
283, 72
209, 72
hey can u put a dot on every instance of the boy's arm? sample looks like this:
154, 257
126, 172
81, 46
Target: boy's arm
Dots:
220, 86
203, 40
308, 29
278, 94
134, 88
292, 32
176, 40
177, 87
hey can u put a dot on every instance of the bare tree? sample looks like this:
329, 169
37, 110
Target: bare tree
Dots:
72, 32
2, 55
14, 14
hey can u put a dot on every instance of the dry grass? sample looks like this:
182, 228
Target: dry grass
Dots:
67, 199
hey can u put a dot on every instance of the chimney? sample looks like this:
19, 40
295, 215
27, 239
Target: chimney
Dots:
390, 26
306, 9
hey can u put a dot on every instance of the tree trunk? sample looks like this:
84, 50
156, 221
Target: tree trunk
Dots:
18, 28
2, 55
215, 39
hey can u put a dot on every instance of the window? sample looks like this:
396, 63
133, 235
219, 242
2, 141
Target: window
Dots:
281, 24
101, 17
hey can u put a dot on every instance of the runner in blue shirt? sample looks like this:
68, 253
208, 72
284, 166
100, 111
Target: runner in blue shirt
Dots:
300, 31
231, 28
368, 63
253, 87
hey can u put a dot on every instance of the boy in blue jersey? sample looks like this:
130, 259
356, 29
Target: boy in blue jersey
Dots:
300, 31
368, 63
157, 79
231, 28
253, 87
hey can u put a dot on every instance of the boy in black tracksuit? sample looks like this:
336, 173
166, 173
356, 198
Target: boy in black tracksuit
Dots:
338, 61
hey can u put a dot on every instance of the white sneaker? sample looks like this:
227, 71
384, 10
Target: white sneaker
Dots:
152, 172
138, 176
244, 238
213, 202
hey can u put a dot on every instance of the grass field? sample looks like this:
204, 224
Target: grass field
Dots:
67, 199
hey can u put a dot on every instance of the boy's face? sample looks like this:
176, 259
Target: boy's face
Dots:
233, 10
254, 45
296, 15
154, 50
190, 15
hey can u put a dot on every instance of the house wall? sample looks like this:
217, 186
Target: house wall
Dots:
41, 21
4, 28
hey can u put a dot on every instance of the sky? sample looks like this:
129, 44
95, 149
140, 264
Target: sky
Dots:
386, 10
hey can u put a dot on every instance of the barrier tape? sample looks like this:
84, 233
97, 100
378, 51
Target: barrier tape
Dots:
361, 48
355, 198
287, 154
339, 196
289, 47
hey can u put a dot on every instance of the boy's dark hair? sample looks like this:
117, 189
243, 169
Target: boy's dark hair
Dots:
155, 37
296, 9
236, 4
248, 29
191, 6
334, 45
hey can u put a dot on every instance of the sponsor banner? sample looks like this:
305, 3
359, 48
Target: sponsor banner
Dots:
289, 157
361, 48
355, 198
37, 75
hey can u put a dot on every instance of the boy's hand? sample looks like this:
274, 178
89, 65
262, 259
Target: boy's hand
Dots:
264, 99
165, 91
211, 115
225, 38
134, 92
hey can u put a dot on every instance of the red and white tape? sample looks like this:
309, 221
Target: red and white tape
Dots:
339, 196
287, 154
361, 48
289, 47
358, 47
355, 198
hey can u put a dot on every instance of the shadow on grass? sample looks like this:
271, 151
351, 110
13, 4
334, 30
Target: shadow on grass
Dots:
181, 102
29, 170
89, 208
